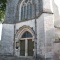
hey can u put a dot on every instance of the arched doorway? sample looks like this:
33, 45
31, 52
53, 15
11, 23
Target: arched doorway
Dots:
26, 44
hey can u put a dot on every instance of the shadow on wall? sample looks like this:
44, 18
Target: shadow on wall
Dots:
50, 38
39, 57
56, 56
55, 45
57, 51
57, 24
0, 43
19, 58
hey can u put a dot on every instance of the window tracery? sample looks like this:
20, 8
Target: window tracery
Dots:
28, 9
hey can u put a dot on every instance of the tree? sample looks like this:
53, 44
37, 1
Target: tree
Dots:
2, 9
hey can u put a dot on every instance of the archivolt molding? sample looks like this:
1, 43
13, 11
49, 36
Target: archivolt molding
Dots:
23, 29
19, 34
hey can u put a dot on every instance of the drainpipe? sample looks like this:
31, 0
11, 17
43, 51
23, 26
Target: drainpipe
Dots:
35, 31
14, 41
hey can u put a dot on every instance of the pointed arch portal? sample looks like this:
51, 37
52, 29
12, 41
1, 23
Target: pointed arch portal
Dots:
26, 41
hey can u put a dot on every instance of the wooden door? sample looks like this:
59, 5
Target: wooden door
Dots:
30, 47
22, 47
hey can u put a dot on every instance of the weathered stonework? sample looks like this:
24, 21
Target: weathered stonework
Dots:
43, 28
48, 6
7, 39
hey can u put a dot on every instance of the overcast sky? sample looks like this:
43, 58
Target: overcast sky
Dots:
57, 3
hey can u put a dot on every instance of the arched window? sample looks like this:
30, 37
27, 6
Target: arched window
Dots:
27, 35
33, 11
37, 7
28, 9
23, 12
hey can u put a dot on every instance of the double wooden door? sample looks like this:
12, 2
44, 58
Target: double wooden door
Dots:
26, 47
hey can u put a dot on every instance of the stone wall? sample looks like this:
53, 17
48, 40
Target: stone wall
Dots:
49, 34
7, 39
40, 36
48, 6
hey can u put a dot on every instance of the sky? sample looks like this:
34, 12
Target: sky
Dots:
57, 3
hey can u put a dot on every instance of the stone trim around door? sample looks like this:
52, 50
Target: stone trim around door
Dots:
19, 34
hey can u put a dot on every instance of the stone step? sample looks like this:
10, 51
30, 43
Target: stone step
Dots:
15, 58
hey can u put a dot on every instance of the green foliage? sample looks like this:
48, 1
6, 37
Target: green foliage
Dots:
2, 9
2, 15
3, 5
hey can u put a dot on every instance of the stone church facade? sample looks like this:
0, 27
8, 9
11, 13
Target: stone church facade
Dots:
30, 29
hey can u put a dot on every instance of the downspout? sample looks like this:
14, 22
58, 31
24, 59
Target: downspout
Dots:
35, 31
14, 41
14, 35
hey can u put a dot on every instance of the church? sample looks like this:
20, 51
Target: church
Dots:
31, 30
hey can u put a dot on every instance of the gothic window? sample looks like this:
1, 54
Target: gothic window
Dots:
24, 11
28, 9
33, 11
23, 14
38, 7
